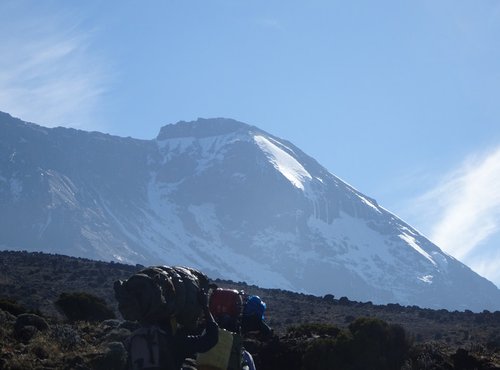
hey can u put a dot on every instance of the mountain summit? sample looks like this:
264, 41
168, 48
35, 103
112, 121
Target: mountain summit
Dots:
224, 197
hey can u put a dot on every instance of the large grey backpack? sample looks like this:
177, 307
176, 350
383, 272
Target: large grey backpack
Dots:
155, 294
150, 348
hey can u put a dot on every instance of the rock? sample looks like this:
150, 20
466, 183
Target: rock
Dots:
7, 317
112, 323
27, 325
29, 319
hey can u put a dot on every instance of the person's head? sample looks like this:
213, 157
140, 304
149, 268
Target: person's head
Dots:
254, 306
228, 322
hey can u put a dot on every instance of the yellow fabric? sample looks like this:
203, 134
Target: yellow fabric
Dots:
217, 358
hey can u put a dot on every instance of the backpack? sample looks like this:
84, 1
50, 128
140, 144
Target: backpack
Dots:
254, 306
157, 293
253, 317
149, 347
226, 304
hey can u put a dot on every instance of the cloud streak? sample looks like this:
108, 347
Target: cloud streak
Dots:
464, 209
47, 73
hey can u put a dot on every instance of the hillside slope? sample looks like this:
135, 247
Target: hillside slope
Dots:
441, 339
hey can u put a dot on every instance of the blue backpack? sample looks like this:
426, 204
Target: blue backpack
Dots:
254, 306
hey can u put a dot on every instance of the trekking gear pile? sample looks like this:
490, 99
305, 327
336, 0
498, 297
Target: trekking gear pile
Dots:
163, 296
159, 293
159, 296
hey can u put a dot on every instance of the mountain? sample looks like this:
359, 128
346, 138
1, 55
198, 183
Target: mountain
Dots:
224, 197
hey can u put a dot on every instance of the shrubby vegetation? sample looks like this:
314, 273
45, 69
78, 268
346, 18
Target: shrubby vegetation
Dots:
84, 307
11, 306
328, 333
313, 329
367, 343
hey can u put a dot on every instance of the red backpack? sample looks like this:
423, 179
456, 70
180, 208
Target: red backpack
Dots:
226, 305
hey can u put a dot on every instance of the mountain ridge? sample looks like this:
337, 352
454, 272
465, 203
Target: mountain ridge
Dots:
225, 197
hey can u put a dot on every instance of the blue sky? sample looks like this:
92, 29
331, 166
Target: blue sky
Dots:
398, 98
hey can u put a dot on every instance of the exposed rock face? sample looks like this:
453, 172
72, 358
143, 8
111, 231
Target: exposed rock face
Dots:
224, 197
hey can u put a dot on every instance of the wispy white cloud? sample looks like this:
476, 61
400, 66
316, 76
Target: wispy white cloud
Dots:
462, 213
48, 73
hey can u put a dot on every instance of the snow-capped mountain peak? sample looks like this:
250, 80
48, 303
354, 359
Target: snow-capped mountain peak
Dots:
225, 197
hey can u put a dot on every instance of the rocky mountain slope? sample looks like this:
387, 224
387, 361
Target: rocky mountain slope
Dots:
306, 327
225, 197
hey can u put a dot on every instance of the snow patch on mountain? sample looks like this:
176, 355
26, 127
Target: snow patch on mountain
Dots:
368, 203
207, 149
358, 246
412, 242
426, 279
61, 189
197, 241
370, 254
287, 165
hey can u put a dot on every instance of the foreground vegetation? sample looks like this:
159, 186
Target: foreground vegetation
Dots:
58, 312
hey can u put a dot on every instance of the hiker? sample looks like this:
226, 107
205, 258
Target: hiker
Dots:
162, 347
252, 318
236, 314
167, 301
189, 345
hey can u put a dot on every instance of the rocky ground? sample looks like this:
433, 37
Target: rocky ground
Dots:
310, 332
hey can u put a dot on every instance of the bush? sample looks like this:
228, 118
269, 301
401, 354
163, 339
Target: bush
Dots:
329, 353
344, 301
368, 344
11, 306
379, 345
84, 307
308, 330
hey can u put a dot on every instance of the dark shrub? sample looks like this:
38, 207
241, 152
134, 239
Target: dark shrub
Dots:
29, 319
83, 307
378, 345
277, 354
11, 306
369, 344
329, 353
329, 298
344, 301
463, 360
308, 330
